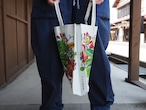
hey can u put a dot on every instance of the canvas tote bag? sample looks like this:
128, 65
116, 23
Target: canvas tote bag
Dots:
76, 47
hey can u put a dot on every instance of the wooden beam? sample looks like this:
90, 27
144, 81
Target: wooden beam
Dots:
134, 39
30, 52
134, 42
2, 62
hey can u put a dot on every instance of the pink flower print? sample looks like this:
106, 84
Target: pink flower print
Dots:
85, 56
91, 45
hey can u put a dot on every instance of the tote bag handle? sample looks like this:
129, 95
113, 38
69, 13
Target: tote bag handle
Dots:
93, 17
57, 9
91, 4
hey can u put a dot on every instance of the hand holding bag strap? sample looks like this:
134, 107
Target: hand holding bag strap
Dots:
59, 17
93, 19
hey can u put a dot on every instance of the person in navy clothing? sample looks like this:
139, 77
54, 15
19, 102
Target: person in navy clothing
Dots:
101, 95
43, 20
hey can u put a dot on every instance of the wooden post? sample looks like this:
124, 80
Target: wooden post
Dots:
134, 43
30, 52
2, 62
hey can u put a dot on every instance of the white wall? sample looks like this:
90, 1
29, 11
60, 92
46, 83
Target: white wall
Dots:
143, 7
113, 12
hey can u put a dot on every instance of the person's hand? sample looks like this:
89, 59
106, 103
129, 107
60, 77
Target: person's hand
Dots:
98, 1
51, 2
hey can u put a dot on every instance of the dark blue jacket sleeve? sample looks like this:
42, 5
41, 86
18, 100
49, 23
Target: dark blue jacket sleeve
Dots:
103, 9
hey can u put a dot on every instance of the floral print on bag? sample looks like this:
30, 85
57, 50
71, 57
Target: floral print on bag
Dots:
67, 54
87, 53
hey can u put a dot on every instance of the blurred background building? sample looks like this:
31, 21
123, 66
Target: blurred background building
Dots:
120, 21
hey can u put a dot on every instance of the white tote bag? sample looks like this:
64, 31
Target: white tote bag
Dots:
76, 47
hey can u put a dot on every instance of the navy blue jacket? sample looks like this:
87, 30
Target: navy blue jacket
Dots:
42, 9
103, 9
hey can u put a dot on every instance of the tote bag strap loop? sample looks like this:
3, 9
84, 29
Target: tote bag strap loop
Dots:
59, 17
93, 19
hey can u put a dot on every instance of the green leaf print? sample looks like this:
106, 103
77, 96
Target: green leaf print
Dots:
88, 71
89, 61
89, 52
82, 68
75, 53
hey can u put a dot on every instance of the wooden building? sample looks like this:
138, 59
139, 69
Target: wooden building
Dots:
15, 47
121, 24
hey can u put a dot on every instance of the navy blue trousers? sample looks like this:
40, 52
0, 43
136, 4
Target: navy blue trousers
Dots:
48, 61
101, 95
51, 71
